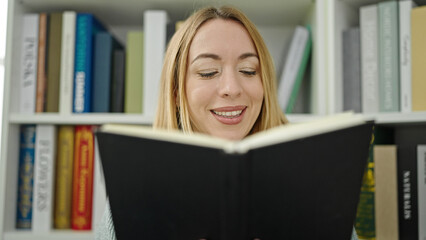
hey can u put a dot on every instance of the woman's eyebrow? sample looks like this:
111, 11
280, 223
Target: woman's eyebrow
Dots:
206, 55
247, 55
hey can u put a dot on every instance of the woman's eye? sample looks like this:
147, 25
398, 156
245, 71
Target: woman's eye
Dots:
207, 74
249, 73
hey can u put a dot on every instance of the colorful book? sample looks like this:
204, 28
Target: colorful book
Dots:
155, 35
418, 46
64, 174
105, 44
24, 208
87, 26
41, 63
405, 8
82, 197
351, 70
67, 62
369, 58
54, 62
389, 82
134, 72
421, 179
386, 192
29, 57
44, 168
118, 78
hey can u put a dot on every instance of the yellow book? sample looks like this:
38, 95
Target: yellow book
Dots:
64, 173
418, 51
134, 73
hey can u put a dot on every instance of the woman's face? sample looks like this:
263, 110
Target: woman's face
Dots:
223, 83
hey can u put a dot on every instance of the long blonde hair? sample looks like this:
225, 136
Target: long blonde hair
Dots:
172, 111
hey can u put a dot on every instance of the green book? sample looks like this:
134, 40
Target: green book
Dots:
54, 62
388, 57
300, 73
134, 73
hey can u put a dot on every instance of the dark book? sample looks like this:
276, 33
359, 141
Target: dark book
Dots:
351, 69
407, 138
117, 84
297, 181
105, 45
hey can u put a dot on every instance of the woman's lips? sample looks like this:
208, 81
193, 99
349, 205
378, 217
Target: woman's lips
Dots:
229, 115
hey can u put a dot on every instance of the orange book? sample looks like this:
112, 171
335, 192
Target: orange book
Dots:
64, 172
81, 217
41, 63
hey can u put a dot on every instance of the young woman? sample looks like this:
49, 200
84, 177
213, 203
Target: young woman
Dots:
218, 78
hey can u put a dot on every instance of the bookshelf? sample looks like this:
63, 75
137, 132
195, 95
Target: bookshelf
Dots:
120, 17
327, 18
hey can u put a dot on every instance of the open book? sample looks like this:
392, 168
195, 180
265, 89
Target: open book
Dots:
297, 181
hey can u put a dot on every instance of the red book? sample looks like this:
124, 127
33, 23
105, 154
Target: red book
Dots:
41, 64
81, 218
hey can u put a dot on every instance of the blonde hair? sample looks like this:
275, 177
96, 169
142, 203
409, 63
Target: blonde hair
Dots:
172, 111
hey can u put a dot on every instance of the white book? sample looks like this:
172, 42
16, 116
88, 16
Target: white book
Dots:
44, 167
421, 189
155, 30
67, 62
29, 56
369, 59
99, 191
292, 65
405, 53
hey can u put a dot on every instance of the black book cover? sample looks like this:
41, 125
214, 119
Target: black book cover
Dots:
407, 138
306, 188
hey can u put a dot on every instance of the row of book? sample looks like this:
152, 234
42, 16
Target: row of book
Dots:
59, 178
392, 204
72, 63
383, 59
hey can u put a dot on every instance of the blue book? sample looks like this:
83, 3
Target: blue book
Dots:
86, 27
105, 44
26, 177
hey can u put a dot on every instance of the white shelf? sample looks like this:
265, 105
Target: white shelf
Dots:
398, 118
52, 235
78, 119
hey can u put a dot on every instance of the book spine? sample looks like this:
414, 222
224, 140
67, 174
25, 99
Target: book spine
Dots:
389, 82
117, 86
81, 217
102, 72
405, 53
25, 177
67, 62
43, 178
351, 70
29, 53
64, 173
369, 59
99, 190
54, 62
134, 72
421, 181
41, 63
418, 46
291, 65
83, 63
300, 73
386, 192
155, 27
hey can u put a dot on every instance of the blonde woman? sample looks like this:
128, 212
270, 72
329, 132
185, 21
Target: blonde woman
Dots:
218, 79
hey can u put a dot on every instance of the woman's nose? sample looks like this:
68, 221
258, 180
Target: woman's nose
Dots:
229, 85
